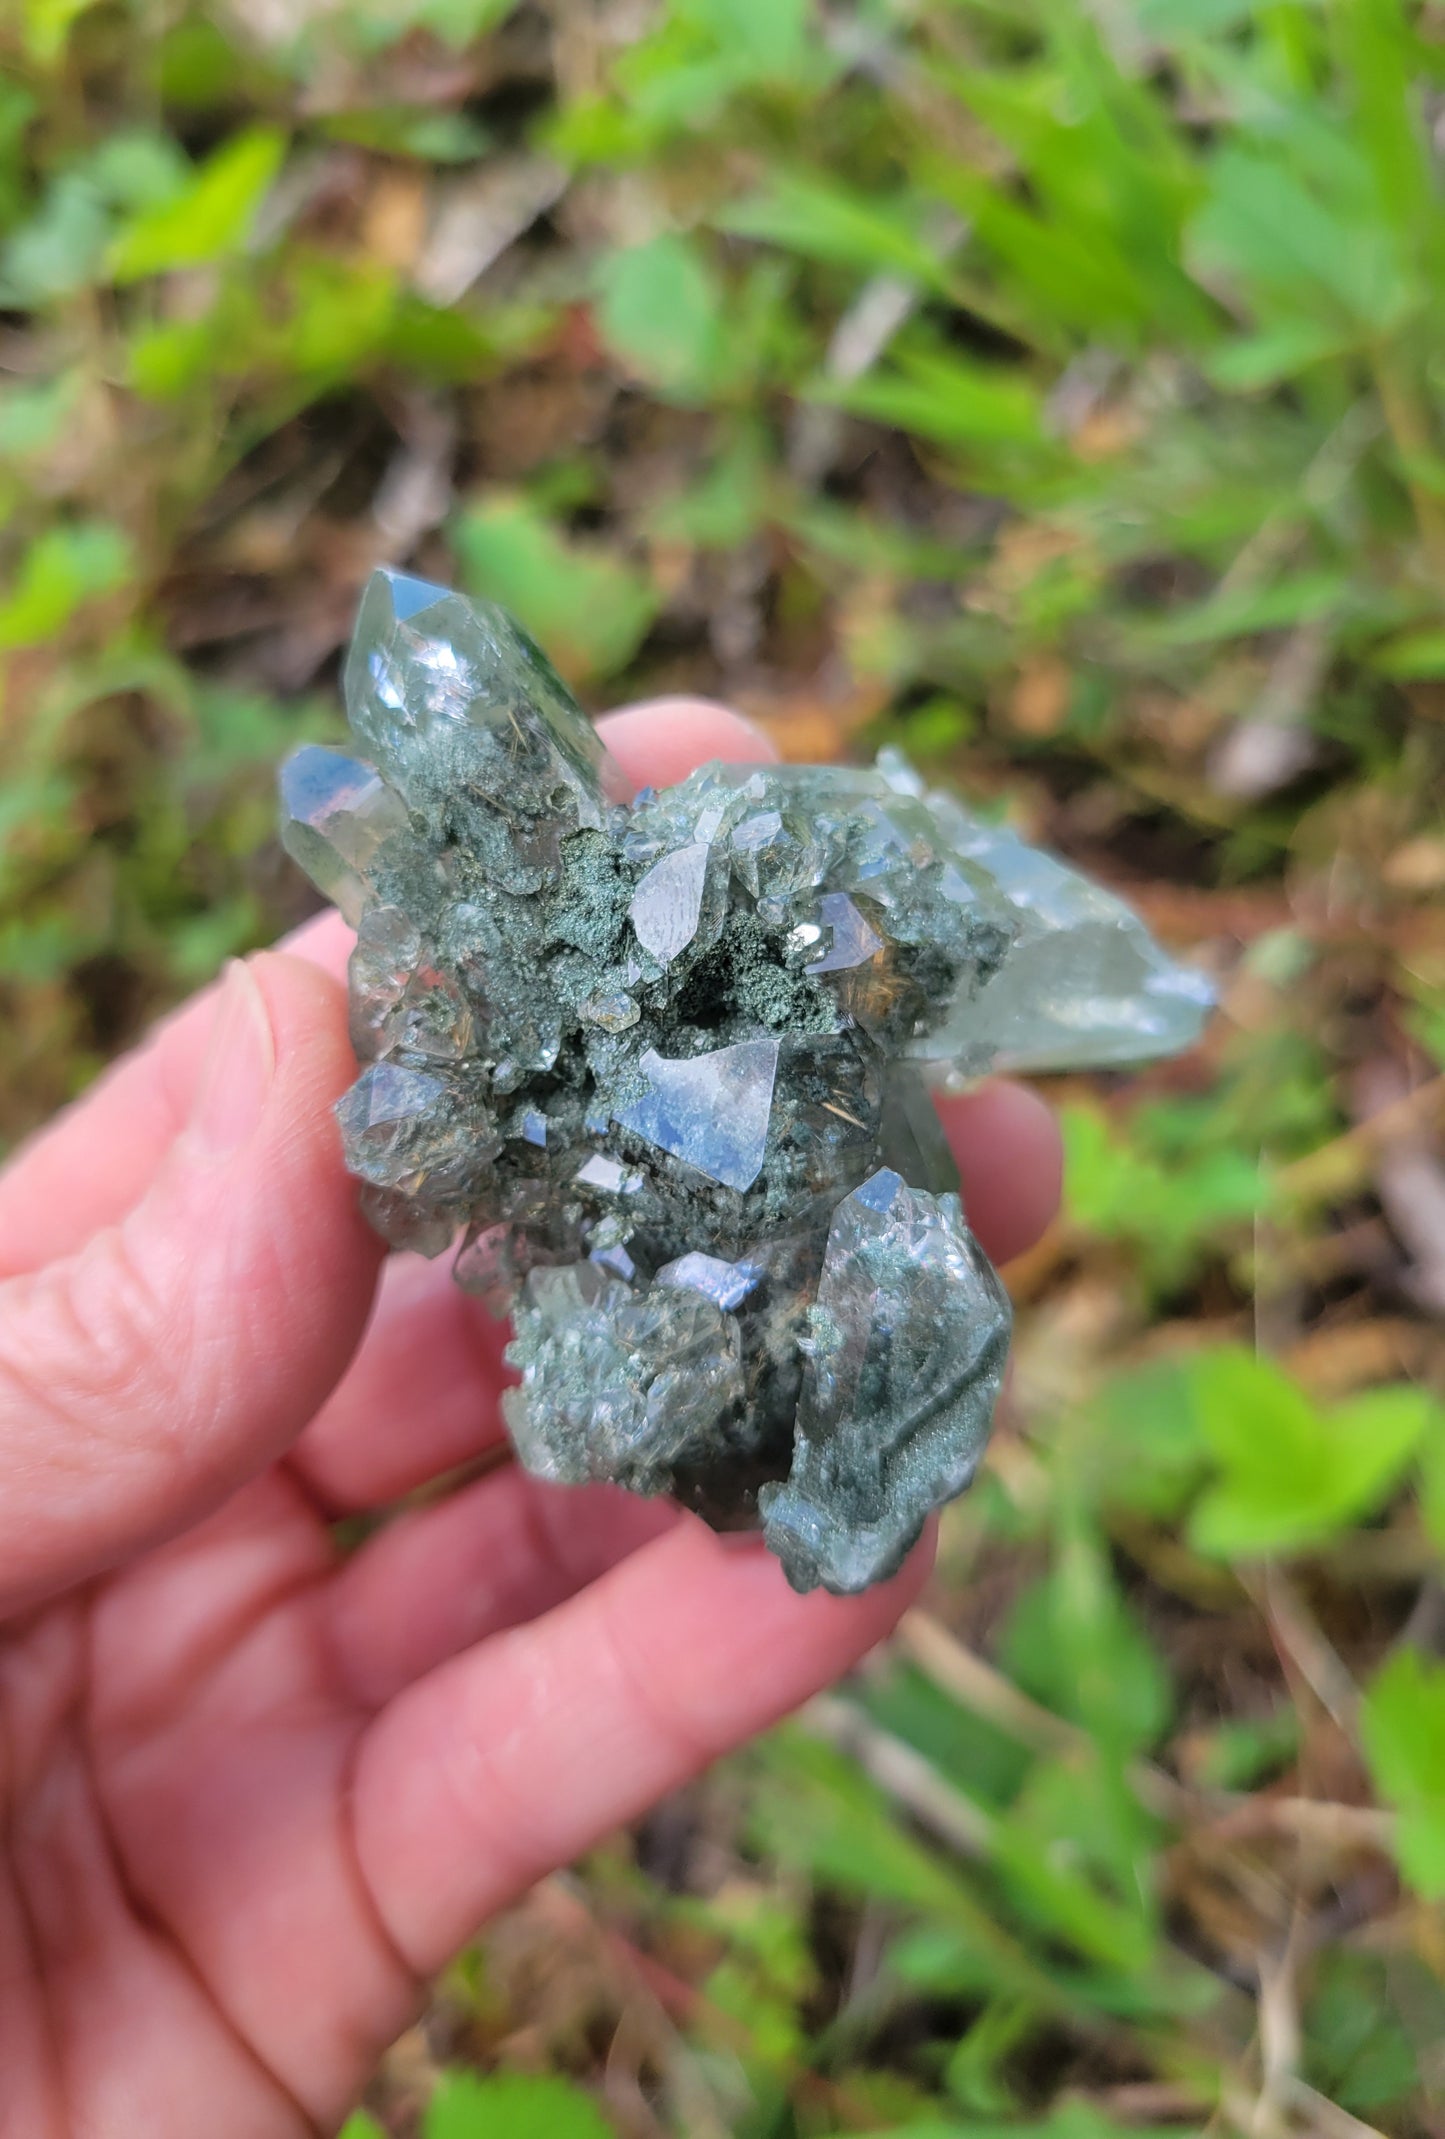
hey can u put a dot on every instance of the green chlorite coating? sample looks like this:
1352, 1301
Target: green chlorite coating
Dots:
660, 1063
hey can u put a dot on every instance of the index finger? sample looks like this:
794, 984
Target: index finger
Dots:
91, 1165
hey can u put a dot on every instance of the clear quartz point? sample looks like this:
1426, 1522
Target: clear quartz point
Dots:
659, 1063
336, 816
667, 907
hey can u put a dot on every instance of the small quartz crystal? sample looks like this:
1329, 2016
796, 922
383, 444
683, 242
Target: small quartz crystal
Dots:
659, 1067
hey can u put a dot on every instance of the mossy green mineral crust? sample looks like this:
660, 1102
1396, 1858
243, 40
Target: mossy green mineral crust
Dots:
659, 1064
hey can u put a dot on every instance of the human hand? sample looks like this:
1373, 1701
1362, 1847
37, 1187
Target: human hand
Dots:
253, 1792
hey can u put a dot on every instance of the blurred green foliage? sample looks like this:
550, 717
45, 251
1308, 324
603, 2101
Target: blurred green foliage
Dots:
1055, 386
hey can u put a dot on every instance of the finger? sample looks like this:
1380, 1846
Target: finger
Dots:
1011, 1159
514, 1757
94, 1161
178, 1351
419, 1398
325, 940
661, 740
501, 1552
87, 1168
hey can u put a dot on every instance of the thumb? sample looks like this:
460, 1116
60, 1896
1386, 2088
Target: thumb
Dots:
179, 1350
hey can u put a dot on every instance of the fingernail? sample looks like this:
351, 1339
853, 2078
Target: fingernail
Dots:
240, 1062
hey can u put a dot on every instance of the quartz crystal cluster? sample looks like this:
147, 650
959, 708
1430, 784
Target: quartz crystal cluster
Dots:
660, 1063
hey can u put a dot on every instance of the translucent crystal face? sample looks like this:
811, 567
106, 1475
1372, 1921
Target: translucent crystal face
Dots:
655, 1065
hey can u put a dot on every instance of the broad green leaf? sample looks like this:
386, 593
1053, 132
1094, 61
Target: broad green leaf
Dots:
1291, 1476
1240, 1755
1300, 599
765, 39
1074, 1643
588, 608
510, 2105
1172, 1207
376, 25
40, 947
1372, 2024
138, 169
201, 69
1402, 1723
700, 55
66, 566
725, 505
47, 27
1169, 19
660, 309
63, 245
211, 217
1283, 349
1137, 1443
823, 220
435, 341
37, 796
816, 1810
412, 130
61, 248
167, 358
951, 400
1076, 2120
1432, 1472
1376, 50
971, 1751
341, 312
32, 418
1303, 240
360, 2125
459, 21
1415, 655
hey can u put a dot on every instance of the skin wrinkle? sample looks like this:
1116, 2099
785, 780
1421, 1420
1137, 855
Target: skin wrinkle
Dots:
56, 2073
346, 1662
119, 1320
478, 1756
9, 1811
294, 1600
545, 1537
85, 1423
122, 1308
336, 1499
143, 1913
306, 1584
475, 1768
153, 1054
412, 1983
366, 1892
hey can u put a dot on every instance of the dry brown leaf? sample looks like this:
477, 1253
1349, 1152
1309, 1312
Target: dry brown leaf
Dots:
1039, 702
393, 225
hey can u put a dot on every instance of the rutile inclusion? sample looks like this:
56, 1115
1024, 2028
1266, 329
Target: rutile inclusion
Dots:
660, 1063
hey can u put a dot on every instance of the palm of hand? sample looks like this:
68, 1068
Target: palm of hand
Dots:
253, 1792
